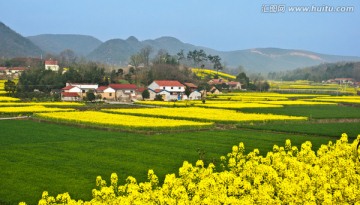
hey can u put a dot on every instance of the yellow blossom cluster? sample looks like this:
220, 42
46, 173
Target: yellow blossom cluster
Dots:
204, 114
200, 72
119, 120
47, 104
287, 175
339, 99
210, 104
296, 102
32, 109
8, 99
238, 105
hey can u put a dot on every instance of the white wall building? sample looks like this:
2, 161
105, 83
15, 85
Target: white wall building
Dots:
51, 65
173, 87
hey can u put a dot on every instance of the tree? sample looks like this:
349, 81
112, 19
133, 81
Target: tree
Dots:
197, 57
90, 96
187, 91
67, 57
216, 61
145, 94
10, 87
145, 55
180, 55
136, 60
243, 79
120, 72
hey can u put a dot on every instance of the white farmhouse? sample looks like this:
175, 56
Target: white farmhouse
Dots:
169, 89
51, 65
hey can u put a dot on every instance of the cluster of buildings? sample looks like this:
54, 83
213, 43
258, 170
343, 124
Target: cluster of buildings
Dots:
168, 90
16, 71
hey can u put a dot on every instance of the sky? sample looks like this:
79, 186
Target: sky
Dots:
225, 25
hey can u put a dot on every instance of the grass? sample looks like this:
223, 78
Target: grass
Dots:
316, 111
37, 156
324, 129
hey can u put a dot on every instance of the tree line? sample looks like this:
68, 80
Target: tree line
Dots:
142, 71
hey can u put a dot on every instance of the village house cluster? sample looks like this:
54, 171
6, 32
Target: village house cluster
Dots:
168, 90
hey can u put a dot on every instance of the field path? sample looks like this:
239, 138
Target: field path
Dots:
14, 118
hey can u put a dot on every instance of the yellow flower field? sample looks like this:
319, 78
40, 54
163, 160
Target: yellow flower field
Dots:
120, 120
296, 102
31, 109
339, 99
209, 103
8, 99
272, 94
207, 72
203, 114
47, 104
236, 105
286, 175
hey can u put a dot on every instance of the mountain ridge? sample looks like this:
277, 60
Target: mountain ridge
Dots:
13, 44
118, 51
82, 45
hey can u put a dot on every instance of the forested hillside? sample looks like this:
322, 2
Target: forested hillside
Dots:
321, 72
13, 44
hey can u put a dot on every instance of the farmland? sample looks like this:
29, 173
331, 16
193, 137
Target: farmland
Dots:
62, 147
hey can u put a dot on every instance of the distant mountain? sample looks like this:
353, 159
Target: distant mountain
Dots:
276, 59
118, 51
82, 45
13, 44
321, 72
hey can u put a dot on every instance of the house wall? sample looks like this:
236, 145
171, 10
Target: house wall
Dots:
52, 67
195, 96
153, 86
71, 99
108, 95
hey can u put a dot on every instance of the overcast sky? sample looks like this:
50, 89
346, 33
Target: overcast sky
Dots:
222, 25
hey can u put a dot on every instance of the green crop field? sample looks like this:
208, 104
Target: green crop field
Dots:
324, 129
39, 156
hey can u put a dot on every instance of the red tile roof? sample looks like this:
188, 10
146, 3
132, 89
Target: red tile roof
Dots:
18, 68
66, 94
101, 88
51, 62
174, 83
190, 85
140, 90
3, 68
123, 86
67, 87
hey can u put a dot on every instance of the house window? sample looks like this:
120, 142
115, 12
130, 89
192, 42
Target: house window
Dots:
163, 88
110, 94
172, 88
179, 88
83, 91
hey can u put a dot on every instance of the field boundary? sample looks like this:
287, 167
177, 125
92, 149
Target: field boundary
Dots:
14, 118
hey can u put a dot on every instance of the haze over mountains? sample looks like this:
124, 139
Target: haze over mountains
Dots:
118, 51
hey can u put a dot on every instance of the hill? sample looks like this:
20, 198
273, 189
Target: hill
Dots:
56, 43
118, 51
13, 44
321, 72
265, 60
